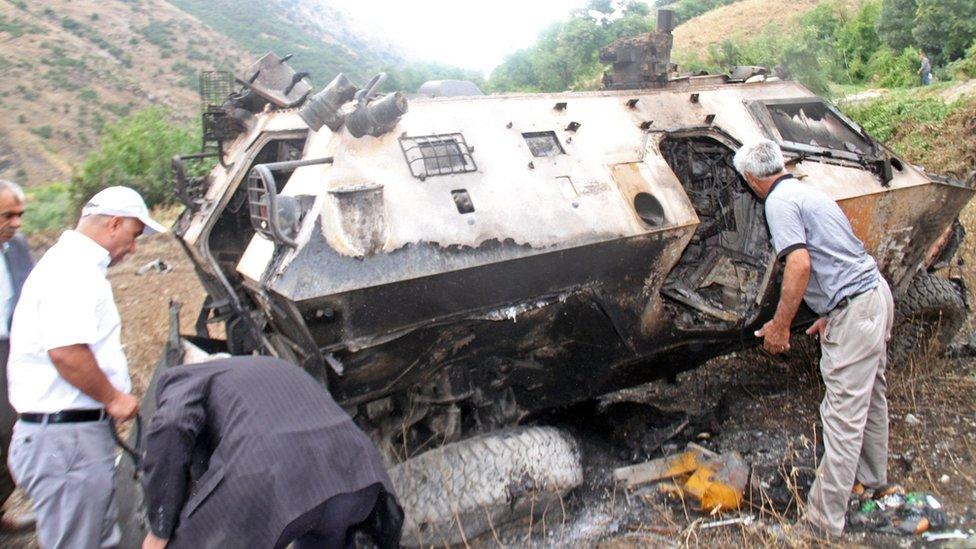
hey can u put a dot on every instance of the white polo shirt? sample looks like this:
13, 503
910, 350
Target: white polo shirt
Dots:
66, 300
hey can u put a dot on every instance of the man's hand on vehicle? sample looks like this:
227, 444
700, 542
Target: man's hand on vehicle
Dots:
776, 338
122, 406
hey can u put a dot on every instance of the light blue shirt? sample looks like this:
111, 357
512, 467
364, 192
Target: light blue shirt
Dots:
6, 295
801, 216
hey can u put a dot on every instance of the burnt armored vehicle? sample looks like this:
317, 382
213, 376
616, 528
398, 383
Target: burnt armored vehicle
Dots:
451, 266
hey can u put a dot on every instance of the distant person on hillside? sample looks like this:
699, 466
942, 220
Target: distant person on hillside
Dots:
925, 70
14, 268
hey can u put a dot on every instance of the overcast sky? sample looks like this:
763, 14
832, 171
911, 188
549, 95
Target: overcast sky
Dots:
473, 34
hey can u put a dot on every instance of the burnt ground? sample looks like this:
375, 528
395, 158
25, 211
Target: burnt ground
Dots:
767, 411
764, 408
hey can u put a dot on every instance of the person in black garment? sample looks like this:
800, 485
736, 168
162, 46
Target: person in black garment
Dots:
284, 463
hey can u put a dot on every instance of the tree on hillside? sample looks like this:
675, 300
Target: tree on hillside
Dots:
896, 22
566, 55
941, 28
857, 40
135, 152
945, 28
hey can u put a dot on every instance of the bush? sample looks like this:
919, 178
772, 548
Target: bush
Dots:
44, 132
857, 41
964, 68
881, 118
135, 152
891, 70
47, 208
796, 53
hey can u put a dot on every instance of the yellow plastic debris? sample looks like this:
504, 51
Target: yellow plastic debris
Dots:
719, 484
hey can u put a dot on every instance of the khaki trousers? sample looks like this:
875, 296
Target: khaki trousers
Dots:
854, 410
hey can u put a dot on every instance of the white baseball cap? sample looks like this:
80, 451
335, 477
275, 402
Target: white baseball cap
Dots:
122, 202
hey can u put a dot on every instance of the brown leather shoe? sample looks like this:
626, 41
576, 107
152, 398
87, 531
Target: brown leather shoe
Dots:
17, 524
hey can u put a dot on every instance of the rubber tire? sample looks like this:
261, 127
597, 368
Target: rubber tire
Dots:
927, 316
483, 482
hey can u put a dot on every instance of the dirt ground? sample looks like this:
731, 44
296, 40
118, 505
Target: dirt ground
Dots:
768, 406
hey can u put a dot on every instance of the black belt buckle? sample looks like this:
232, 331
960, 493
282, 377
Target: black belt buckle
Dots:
843, 303
65, 416
847, 300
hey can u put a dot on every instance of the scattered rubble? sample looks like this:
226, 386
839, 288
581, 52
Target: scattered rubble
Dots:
945, 536
157, 265
893, 511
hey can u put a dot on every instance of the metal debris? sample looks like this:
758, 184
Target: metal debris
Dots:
945, 536
156, 265
743, 520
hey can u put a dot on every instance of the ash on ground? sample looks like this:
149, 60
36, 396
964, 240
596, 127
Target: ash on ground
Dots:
767, 410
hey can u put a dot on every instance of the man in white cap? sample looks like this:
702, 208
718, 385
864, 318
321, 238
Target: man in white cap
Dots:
68, 374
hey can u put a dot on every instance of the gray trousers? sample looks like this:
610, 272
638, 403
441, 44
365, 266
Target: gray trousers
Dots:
67, 469
854, 410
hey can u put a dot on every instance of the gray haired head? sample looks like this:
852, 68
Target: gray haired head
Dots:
761, 158
14, 188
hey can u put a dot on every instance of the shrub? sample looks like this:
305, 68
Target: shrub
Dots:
44, 132
891, 70
48, 208
965, 67
136, 152
881, 118
857, 41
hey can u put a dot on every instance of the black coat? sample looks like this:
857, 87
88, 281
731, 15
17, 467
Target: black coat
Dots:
268, 442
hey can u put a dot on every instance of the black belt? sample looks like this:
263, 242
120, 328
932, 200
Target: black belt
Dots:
843, 303
65, 416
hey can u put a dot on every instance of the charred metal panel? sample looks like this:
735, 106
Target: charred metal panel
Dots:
642, 61
497, 274
567, 334
272, 78
898, 227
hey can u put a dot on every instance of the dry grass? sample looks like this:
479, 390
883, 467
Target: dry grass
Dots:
947, 147
744, 18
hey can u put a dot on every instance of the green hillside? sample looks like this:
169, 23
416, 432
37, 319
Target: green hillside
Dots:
321, 39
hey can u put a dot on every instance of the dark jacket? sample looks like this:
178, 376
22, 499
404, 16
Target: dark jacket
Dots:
19, 265
241, 447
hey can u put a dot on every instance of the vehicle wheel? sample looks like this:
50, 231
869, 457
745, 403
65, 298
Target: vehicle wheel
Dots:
927, 317
456, 492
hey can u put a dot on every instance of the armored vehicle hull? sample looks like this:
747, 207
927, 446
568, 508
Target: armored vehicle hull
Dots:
488, 257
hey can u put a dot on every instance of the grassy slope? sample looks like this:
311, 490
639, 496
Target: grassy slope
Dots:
746, 17
292, 27
70, 66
